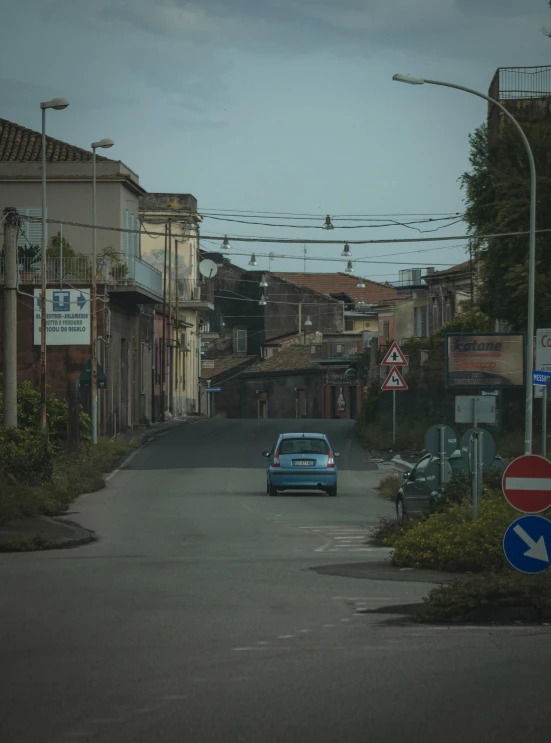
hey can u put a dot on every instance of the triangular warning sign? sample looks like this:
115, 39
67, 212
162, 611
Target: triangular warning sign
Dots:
394, 381
394, 356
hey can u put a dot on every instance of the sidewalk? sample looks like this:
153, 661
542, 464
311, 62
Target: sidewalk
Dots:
44, 533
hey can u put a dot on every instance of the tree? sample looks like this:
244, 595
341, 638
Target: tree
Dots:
497, 197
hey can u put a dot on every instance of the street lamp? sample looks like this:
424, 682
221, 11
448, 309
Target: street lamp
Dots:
411, 80
360, 284
346, 251
328, 225
253, 261
102, 144
307, 324
349, 267
58, 104
225, 243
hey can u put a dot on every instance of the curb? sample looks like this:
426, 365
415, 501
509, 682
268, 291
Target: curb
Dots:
20, 544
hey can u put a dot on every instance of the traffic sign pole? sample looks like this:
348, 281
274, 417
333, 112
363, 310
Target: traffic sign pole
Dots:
442, 443
544, 422
393, 417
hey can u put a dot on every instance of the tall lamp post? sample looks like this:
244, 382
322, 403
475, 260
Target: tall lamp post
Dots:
58, 104
531, 249
102, 144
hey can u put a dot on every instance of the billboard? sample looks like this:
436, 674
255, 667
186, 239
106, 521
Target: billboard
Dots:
484, 360
67, 317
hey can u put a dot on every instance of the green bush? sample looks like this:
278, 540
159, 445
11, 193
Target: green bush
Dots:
377, 434
71, 475
450, 540
389, 485
26, 456
455, 602
388, 530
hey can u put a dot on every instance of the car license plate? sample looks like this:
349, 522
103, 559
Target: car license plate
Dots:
303, 462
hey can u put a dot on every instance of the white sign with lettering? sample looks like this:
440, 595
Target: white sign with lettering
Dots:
543, 349
67, 317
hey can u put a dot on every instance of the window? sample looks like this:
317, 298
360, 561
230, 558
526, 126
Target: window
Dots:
448, 311
349, 323
303, 446
29, 240
386, 331
420, 321
131, 238
435, 319
241, 341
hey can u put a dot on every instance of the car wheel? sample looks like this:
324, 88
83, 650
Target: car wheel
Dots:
332, 491
271, 489
268, 486
400, 510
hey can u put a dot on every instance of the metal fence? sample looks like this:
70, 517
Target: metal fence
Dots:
512, 83
78, 270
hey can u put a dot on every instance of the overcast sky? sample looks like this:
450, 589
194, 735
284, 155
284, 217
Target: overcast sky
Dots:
277, 105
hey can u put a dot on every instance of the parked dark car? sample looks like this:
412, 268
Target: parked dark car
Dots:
415, 495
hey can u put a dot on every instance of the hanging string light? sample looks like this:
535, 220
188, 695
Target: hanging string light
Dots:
253, 261
360, 284
226, 243
328, 224
263, 283
349, 267
346, 251
263, 301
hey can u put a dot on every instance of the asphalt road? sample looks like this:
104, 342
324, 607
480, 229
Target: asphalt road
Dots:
196, 617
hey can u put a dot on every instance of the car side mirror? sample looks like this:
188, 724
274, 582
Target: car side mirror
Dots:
266, 454
408, 475
336, 454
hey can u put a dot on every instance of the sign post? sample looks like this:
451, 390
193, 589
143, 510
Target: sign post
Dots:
527, 487
394, 381
441, 441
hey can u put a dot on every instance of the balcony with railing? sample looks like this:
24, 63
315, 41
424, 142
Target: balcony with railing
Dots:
524, 91
511, 83
126, 276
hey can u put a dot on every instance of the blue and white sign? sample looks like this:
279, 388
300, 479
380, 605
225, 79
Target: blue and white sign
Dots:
527, 544
67, 317
540, 377
213, 389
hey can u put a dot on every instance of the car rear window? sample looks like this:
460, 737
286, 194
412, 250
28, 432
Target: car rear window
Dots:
303, 446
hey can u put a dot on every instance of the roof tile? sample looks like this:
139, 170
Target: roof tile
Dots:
342, 283
22, 145
292, 358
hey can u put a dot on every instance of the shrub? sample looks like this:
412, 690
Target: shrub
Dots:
377, 434
452, 541
456, 601
388, 530
26, 456
389, 485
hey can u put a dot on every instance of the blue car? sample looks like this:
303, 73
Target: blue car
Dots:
301, 461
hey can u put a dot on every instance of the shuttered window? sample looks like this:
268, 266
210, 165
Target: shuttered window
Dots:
30, 233
131, 225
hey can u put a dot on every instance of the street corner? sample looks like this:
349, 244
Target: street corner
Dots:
43, 533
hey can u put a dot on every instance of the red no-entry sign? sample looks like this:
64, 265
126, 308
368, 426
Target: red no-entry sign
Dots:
527, 484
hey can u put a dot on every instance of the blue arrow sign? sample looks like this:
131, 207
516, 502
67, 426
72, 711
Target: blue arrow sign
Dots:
527, 544
81, 301
213, 389
540, 377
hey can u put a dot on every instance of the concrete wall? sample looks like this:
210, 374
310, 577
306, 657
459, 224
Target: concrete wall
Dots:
71, 200
281, 395
128, 398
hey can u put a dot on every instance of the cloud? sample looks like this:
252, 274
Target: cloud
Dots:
350, 26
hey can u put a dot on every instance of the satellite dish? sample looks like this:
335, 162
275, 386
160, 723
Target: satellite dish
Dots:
208, 269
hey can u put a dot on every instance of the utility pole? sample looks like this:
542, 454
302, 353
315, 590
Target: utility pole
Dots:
176, 315
170, 325
163, 346
11, 223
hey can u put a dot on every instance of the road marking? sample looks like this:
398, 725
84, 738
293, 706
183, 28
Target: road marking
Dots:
174, 697
345, 620
240, 649
284, 637
305, 630
262, 642
327, 625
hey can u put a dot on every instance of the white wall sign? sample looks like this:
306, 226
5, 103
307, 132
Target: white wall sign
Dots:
543, 349
67, 317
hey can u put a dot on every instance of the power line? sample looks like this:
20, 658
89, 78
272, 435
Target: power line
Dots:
392, 223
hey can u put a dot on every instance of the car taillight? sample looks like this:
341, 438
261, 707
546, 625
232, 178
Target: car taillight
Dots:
330, 460
275, 463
